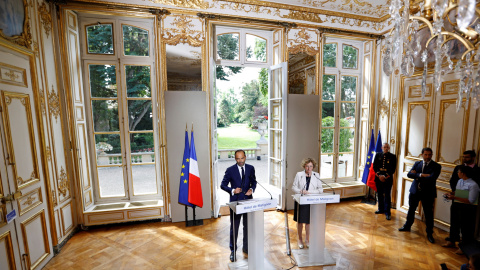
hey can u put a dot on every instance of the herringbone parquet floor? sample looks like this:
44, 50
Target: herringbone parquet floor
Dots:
356, 238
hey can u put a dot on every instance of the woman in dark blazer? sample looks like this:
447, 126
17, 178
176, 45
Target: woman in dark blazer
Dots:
306, 182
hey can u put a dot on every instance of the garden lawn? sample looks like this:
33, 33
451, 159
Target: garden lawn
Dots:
237, 136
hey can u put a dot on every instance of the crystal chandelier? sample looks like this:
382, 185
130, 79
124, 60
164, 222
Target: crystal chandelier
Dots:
434, 31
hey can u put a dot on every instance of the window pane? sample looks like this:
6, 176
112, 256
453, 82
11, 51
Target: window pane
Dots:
347, 115
326, 167
328, 114
140, 115
347, 136
256, 48
110, 181
227, 46
135, 41
100, 39
105, 115
103, 80
138, 81
345, 165
144, 177
330, 55
328, 87
108, 145
327, 140
350, 57
141, 143
349, 88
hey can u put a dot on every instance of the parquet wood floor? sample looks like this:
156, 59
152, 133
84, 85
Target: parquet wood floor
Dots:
356, 238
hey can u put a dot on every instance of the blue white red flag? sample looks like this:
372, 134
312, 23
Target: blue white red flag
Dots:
184, 175
194, 185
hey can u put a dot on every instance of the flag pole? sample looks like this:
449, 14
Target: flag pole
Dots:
186, 216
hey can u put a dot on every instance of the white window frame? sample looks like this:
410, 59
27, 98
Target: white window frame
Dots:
339, 71
120, 60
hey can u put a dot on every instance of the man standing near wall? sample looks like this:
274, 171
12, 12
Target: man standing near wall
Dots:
425, 174
384, 166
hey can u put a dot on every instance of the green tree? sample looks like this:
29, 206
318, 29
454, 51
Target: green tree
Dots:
330, 55
250, 98
225, 113
227, 49
327, 136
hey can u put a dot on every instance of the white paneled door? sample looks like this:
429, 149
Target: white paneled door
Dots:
25, 242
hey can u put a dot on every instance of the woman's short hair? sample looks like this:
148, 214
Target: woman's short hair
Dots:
468, 171
305, 161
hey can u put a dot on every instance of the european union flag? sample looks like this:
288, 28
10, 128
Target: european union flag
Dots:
370, 155
184, 175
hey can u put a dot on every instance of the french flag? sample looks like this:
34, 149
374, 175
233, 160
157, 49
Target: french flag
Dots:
194, 185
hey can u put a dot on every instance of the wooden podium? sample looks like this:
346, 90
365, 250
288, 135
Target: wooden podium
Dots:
316, 254
256, 253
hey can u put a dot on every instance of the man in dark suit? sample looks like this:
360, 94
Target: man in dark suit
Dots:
242, 181
425, 174
468, 159
384, 166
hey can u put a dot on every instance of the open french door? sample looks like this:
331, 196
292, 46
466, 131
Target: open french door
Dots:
277, 129
213, 108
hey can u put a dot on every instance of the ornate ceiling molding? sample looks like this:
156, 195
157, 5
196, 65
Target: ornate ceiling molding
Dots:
346, 7
197, 4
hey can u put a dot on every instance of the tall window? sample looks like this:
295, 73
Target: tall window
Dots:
118, 64
340, 85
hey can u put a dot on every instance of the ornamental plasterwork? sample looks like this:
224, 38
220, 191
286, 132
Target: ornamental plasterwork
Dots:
46, 18
54, 104
63, 182
302, 40
49, 153
29, 200
183, 29
394, 108
246, 8
54, 197
363, 8
197, 4
42, 102
383, 107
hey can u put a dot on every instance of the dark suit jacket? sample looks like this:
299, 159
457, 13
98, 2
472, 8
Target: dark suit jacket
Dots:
234, 179
390, 165
454, 179
427, 184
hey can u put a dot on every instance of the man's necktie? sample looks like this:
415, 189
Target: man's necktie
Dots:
243, 175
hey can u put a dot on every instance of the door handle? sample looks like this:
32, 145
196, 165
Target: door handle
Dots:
10, 197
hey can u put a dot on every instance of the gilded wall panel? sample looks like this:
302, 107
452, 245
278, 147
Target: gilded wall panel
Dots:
452, 133
35, 239
20, 138
66, 215
450, 87
441, 213
303, 39
418, 119
7, 246
406, 184
416, 91
29, 201
13, 75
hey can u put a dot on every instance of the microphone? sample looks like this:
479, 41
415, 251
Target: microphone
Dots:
271, 197
304, 186
325, 183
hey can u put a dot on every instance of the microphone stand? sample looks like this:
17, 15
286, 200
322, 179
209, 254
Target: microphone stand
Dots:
325, 184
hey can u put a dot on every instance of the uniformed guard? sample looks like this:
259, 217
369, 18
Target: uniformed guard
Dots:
384, 166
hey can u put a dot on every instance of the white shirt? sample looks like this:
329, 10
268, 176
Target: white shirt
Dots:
472, 188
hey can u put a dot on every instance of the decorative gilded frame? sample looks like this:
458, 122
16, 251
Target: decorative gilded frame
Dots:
46, 245
25, 100
412, 94
7, 236
24, 39
444, 104
411, 106
31, 203
418, 211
